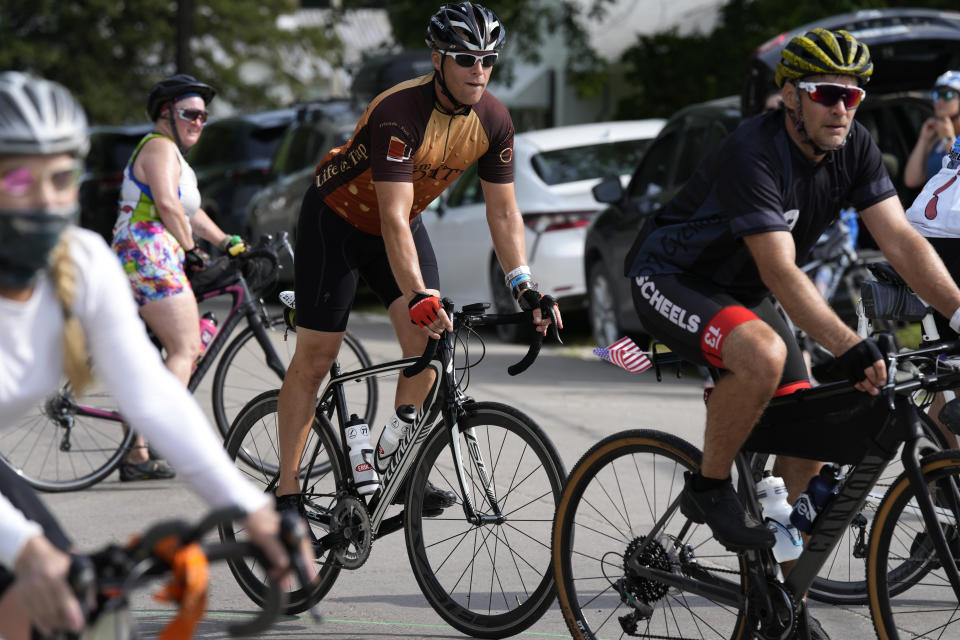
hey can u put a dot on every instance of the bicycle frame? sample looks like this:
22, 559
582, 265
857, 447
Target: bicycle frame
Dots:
244, 305
901, 426
441, 407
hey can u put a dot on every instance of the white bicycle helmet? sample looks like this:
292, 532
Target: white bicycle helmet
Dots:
949, 79
39, 116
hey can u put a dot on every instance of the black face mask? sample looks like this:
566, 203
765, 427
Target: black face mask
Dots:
26, 239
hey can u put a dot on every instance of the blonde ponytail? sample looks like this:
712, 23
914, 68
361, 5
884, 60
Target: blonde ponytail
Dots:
63, 273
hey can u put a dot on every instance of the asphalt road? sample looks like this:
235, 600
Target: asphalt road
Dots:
574, 396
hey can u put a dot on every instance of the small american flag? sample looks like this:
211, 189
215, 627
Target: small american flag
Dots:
625, 354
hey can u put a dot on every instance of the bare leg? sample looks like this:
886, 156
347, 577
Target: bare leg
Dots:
311, 362
934, 412
412, 341
176, 323
753, 356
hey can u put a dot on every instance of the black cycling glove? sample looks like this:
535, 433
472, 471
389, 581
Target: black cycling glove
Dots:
193, 260
859, 357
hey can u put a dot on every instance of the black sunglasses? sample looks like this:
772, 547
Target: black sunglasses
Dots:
192, 114
829, 93
944, 94
467, 60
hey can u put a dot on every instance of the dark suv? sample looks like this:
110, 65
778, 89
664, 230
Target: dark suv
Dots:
909, 49
232, 162
317, 128
110, 149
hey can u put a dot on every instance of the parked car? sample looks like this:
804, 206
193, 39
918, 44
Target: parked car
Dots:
232, 162
554, 170
110, 149
909, 47
317, 128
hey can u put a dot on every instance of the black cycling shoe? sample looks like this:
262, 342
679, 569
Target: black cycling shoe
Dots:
720, 509
291, 502
435, 500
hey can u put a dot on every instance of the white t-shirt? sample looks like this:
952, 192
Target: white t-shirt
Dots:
936, 211
150, 398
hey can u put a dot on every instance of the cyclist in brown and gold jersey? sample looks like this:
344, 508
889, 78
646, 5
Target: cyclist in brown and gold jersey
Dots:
360, 219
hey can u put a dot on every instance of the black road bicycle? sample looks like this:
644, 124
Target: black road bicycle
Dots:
482, 564
629, 564
71, 443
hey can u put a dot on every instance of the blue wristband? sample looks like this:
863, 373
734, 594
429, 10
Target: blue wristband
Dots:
523, 277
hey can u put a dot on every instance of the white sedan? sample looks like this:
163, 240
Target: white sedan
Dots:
554, 171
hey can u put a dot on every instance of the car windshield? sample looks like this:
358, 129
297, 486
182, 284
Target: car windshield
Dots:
589, 162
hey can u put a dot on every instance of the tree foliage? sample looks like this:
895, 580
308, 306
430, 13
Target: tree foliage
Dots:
668, 71
110, 52
528, 24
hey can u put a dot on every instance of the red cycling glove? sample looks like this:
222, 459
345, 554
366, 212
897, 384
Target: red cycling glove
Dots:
423, 309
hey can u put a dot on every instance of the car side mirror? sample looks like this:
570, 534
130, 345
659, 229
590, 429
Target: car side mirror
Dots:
608, 191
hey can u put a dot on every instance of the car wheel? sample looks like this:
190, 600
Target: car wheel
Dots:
602, 308
503, 302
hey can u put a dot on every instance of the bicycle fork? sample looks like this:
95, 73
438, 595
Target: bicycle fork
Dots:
933, 515
483, 475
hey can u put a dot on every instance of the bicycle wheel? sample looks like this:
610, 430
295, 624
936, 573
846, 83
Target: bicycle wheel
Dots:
242, 373
842, 579
901, 550
64, 445
255, 429
617, 491
491, 580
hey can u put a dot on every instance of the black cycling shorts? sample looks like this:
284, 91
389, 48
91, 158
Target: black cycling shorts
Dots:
332, 255
693, 317
23, 497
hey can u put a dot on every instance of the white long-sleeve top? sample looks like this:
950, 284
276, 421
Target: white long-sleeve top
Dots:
149, 397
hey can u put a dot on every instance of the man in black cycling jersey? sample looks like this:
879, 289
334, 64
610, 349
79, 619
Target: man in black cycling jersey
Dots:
703, 269
360, 219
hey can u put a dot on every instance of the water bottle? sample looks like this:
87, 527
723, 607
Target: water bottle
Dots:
365, 478
822, 487
208, 329
772, 494
395, 429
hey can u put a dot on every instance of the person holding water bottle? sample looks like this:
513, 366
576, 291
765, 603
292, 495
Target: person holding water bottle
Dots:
159, 211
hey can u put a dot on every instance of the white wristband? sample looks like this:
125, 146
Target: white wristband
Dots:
516, 272
955, 320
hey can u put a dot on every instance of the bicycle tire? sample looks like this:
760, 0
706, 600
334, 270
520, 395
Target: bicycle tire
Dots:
524, 468
929, 609
242, 372
35, 447
255, 428
620, 487
842, 579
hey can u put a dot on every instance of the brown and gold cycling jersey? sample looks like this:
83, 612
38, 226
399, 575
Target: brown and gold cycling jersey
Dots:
404, 137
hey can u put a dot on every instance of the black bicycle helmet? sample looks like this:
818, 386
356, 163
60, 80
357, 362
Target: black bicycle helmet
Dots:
173, 87
39, 116
465, 26
820, 51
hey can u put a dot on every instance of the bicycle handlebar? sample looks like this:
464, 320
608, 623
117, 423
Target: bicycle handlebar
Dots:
474, 315
113, 572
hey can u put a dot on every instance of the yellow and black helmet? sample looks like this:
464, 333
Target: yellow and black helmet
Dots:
820, 51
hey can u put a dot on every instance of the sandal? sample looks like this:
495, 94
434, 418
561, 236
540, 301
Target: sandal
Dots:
146, 470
